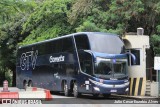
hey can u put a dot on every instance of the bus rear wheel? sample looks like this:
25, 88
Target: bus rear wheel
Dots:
106, 95
75, 90
66, 91
30, 83
25, 85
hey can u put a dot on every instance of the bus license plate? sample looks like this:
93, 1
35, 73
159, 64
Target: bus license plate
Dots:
113, 91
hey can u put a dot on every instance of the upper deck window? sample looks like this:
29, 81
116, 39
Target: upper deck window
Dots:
63, 45
106, 43
82, 42
67, 45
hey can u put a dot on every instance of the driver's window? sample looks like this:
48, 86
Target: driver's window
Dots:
86, 62
87, 67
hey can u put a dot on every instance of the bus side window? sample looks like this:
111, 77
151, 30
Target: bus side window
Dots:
88, 67
41, 48
86, 63
67, 45
55, 67
69, 69
82, 42
57, 46
48, 48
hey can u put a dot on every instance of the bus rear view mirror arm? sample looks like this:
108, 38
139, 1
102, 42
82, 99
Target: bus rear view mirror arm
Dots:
132, 56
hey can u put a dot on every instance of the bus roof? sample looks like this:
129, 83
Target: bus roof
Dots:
69, 35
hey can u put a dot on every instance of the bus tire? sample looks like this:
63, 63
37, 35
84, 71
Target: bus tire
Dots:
95, 95
25, 85
30, 83
106, 95
66, 91
75, 90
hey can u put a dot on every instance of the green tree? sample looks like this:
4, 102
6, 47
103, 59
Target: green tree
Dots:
118, 16
47, 21
24, 22
10, 32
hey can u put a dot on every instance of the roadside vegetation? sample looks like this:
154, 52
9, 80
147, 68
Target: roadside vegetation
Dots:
24, 22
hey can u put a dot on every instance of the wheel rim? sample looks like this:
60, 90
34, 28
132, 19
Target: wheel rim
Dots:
25, 85
65, 89
30, 84
75, 90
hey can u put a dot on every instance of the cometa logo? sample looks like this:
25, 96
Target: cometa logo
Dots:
56, 59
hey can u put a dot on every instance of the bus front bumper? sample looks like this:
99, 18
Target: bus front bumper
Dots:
102, 90
110, 88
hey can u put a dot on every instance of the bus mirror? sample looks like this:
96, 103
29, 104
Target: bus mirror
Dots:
133, 57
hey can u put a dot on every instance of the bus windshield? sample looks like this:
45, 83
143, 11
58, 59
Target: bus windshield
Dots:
110, 68
106, 43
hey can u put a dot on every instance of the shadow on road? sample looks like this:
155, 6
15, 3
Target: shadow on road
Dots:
87, 96
59, 98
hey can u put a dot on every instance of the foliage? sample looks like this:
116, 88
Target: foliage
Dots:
155, 41
118, 16
24, 22
8, 76
47, 21
10, 8
11, 20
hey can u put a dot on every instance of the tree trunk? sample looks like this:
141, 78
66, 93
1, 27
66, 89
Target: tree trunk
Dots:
2, 78
14, 79
14, 76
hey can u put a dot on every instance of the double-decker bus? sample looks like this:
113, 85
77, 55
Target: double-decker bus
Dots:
86, 62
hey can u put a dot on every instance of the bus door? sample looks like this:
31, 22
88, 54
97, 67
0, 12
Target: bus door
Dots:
86, 65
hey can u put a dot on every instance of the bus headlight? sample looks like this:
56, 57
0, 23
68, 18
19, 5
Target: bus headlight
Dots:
126, 81
96, 89
127, 89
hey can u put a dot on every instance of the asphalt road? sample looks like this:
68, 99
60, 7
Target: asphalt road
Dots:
59, 98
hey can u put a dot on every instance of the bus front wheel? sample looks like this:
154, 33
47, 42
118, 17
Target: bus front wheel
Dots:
75, 90
95, 95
